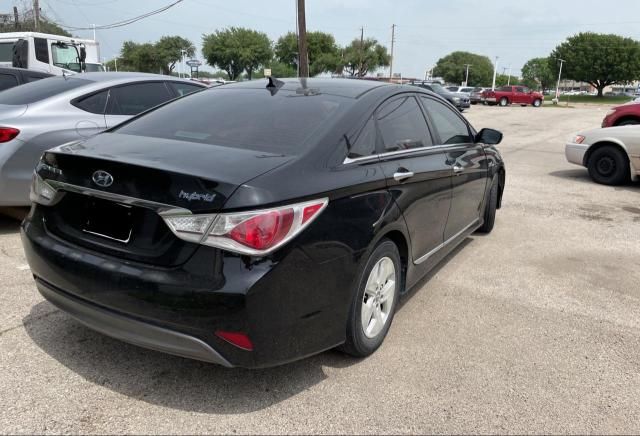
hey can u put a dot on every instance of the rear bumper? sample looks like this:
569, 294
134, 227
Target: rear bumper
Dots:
129, 329
575, 153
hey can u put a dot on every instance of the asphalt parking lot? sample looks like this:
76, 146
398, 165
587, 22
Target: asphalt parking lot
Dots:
534, 328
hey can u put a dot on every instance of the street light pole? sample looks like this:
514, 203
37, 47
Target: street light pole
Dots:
466, 78
562, 61
495, 73
509, 76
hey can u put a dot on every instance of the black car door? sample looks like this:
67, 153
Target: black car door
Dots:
468, 162
417, 173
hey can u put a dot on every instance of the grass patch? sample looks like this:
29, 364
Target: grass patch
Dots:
590, 99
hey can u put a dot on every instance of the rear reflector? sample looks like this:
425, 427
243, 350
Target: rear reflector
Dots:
240, 340
8, 133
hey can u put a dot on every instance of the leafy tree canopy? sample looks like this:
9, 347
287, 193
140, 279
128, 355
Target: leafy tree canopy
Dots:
452, 68
598, 59
362, 57
323, 52
536, 73
237, 49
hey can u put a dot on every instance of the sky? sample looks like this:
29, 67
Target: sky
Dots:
426, 30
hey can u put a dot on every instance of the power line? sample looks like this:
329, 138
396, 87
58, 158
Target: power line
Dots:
127, 21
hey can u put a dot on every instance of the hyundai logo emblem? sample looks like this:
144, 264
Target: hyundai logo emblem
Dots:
102, 178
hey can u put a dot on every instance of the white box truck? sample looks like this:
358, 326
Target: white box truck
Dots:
52, 54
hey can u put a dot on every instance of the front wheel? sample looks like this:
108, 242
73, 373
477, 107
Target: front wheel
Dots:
504, 101
609, 166
537, 103
375, 301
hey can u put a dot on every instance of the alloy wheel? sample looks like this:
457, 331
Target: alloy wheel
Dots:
378, 298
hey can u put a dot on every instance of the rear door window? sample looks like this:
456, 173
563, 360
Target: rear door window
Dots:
365, 144
135, 98
402, 125
8, 81
451, 128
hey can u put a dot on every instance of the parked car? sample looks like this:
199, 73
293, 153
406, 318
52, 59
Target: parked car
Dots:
476, 95
461, 101
623, 115
10, 77
461, 89
194, 232
612, 155
37, 116
507, 95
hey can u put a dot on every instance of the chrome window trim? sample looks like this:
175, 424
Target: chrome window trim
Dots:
445, 243
379, 156
160, 208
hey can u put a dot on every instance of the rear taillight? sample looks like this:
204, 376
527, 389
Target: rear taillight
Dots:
253, 233
240, 340
8, 133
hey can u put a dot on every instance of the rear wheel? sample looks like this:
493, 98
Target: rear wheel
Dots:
504, 101
375, 301
490, 209
537, 103
608, 165
629, 122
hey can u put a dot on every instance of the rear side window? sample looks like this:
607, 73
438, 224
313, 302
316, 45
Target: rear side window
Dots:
184, 88
365, 144
136, 98
8, 81
253, 119
505, 89
39, 90
42, 49
402, 125
6, 51
451, 128
94, 103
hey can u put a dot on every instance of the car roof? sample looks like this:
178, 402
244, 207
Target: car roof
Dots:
350, 88
123, 76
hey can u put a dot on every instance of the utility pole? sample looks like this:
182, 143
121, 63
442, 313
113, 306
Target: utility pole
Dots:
562, 61
495, 72
303, 56
466, 77
94, 31
393, 40
15, 17
36, 14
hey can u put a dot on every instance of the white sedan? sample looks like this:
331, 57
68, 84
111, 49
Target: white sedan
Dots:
612, 155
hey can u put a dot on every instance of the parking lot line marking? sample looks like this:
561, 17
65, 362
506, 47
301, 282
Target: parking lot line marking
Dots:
23, 267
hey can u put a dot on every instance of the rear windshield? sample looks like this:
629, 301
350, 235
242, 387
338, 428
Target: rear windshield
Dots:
245, 118
39, 90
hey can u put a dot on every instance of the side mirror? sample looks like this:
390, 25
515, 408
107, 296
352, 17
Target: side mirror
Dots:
489, 137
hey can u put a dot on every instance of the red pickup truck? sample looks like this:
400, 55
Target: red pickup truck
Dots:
507, 95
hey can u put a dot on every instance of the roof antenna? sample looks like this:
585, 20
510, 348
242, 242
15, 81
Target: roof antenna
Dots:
274, 85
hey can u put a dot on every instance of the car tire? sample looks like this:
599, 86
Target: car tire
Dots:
504, 101
628, 123
490, 208
609, 165
362, 341
537, 103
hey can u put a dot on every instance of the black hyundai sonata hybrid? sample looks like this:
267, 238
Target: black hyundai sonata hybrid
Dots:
257, 223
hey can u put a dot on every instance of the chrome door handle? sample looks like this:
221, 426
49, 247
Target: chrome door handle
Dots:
457, 169
400, 176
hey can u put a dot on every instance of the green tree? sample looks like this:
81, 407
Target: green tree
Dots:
27, 25
323, 52
452, 68
362, 57
169, 51
503, 80
237, 49
139, 57
598, 59
537, 72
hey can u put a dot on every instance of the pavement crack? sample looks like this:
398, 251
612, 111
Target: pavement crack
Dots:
31, 321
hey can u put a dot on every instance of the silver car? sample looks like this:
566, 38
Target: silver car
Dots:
612, 155
43, 114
